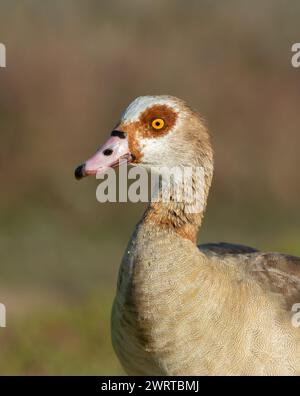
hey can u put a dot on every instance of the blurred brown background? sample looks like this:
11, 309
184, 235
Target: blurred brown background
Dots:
72, 67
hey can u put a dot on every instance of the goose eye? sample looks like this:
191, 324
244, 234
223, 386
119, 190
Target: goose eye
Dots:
158, 123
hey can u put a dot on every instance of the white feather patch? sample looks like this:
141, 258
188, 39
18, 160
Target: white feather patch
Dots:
140, 104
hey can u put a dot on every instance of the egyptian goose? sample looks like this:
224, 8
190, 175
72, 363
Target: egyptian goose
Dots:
183, 309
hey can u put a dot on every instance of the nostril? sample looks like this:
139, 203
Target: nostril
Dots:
108, 152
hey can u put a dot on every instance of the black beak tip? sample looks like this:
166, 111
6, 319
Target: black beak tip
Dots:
79, 172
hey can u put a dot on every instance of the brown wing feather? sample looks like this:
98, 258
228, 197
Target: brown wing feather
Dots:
276, 272
280, 273
227, 248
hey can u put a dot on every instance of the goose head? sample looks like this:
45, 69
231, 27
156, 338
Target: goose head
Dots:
154, 131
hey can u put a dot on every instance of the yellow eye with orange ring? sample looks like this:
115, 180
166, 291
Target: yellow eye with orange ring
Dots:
158, 123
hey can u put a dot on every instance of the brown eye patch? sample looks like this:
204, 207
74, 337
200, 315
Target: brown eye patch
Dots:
157, 120
143, 127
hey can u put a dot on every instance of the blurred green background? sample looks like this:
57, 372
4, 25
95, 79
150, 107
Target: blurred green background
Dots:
72, 67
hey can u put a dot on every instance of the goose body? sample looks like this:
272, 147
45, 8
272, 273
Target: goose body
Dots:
183, 309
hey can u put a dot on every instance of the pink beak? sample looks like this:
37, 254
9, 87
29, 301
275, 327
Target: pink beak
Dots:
114, 152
